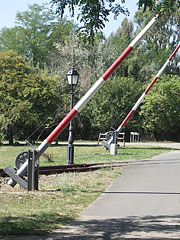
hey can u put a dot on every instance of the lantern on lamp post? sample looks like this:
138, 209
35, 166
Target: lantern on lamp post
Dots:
72, 77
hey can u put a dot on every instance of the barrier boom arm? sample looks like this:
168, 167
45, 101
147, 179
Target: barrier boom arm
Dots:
147, 90
77, 108
107, 144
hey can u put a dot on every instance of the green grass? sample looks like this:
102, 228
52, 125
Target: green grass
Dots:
82, 154
60, 200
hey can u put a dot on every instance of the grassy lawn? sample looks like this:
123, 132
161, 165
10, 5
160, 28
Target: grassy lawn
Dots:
82, 154
63, 196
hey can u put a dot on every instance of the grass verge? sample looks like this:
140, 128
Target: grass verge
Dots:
60, 200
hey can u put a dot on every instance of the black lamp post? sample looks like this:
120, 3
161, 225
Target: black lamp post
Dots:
72, 77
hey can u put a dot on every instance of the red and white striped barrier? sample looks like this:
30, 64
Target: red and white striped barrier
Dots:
77, 108
147, 90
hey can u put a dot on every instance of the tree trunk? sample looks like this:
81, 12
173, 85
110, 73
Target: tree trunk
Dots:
10, 135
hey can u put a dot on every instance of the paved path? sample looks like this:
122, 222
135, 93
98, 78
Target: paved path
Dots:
143, 203
174, 145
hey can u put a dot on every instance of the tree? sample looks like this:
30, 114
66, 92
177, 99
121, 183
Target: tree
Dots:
72, 52
94, 14
35, 33
110, 106
160, 113
91, 14
137, 64
159, 43
156, 4
27, 97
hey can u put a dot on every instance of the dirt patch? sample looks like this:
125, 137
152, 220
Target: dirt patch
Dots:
4, 187
3, 182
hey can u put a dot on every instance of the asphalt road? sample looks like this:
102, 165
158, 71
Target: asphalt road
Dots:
143, 203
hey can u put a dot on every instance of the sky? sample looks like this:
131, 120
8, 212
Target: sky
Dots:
9, 8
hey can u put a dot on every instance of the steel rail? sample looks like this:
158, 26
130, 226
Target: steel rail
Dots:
55, 169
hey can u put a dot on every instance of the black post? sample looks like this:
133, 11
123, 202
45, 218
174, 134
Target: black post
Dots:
70, 149
36, 175
30, 170
33, 171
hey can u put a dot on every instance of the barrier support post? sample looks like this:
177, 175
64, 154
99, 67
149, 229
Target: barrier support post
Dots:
113, 148
32, 170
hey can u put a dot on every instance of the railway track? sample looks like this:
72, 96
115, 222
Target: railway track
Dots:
48, 170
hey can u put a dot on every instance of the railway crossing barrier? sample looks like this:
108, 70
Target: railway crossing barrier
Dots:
107, 144
106, 136
77, 108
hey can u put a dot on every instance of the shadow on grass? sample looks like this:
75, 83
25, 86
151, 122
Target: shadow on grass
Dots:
31, 225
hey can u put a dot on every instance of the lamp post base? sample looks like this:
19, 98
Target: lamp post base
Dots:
70, 154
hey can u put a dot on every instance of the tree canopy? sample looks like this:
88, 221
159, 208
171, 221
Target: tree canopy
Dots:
23, 93
35, 34
94, 14
160, 112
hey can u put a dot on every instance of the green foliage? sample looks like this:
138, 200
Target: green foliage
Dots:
72, 52
91, 14
36, 32
156, 47
165, 5
162, 36
112, 48
160, 112
110, 106
26, 96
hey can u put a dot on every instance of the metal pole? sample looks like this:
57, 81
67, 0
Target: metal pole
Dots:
113, 148
70, 149
36, 180
31, 170
90, 93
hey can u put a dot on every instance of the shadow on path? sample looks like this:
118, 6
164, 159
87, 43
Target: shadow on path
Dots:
147, 227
